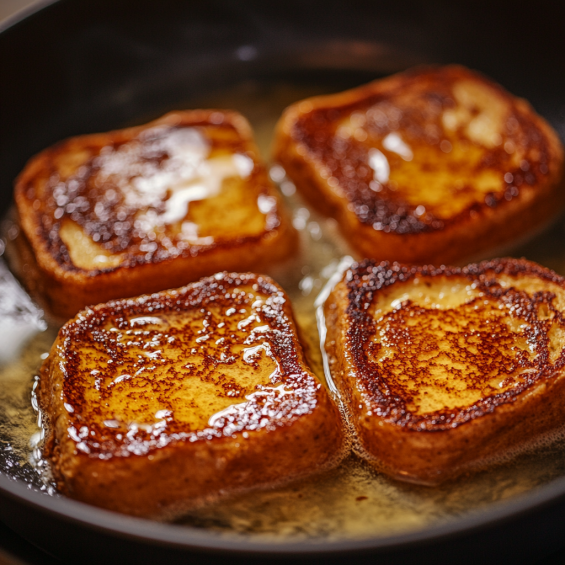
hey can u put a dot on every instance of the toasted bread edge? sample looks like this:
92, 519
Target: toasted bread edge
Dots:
433, 457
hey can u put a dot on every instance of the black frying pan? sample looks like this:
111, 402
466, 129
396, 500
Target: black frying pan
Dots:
75, 67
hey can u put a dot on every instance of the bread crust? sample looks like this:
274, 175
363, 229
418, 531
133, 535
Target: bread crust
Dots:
496, 173
81, 181
431, 446
163, 463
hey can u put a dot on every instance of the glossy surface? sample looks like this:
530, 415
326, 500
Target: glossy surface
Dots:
435, 348
135, 62
215, 359
177, 187
423, 150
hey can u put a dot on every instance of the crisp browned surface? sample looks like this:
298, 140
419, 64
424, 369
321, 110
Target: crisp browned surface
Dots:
432, 165
441, 368
165, 401
143, 209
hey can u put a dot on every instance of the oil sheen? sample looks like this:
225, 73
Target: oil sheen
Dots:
350, 502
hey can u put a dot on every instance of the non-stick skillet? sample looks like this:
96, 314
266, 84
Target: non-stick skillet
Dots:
78, 66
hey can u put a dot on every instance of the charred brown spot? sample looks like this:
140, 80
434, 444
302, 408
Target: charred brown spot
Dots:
143, 373
414, 107
488, 350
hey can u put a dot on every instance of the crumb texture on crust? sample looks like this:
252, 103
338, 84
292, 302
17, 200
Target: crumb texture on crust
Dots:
434, 348
420, 151
209, 361
186, 184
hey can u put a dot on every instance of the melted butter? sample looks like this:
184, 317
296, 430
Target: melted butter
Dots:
210, 369
25, 341
398, 159
221, 364
393, 142
155, 195
190, 173
352, 501
430, 149
380, 165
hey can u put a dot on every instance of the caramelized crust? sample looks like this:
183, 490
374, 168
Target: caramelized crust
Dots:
443, 368
432, 165
147, 208
165, 401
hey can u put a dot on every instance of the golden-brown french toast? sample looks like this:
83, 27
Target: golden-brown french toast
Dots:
433, 165
147, 208
443, 369
160, 402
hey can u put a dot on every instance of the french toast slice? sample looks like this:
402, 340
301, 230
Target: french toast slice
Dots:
433, 165
147, 208
444, 370
157, 403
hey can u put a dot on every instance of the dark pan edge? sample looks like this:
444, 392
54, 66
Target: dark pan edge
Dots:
25, 13
190, 538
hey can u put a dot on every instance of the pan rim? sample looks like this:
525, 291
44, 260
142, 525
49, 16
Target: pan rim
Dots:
25, 13
190, 538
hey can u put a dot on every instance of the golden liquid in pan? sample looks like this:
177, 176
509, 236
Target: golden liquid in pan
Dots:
350, 502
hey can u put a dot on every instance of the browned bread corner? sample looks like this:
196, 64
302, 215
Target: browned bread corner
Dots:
158, 403
434, 165
443, 370
147, 208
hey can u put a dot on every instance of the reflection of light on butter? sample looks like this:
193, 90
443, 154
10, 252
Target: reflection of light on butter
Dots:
231, 415
265, 203
206, 183
112, 423
393, 142
250, 354
177, 204
187, 175
103, 259
143, 320
379, 163
189, 232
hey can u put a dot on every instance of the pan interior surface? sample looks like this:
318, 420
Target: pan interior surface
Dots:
352, 501
245, 72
